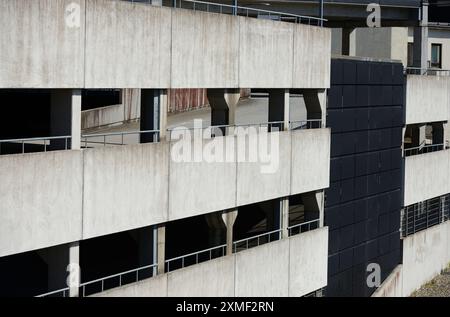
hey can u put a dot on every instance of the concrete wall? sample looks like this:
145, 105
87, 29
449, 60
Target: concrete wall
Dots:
103, 116
427, 99
119, 44
392, 285
425, 254
124, 188
310, 169
33, 219
426, 176
292, 267
42, 45
437, 36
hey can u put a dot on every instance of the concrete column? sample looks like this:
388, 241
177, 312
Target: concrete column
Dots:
420, 47
229, 217
65, 118
316, 105
223, 104
418, 136
160, 247
346, 34
74, 269
279, 107
216, 228
153, 114
131, 100
284, 217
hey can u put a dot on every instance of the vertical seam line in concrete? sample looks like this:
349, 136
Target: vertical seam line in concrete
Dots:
290, 164
169, 157
171, 50
234, 273
239, 55
85, 42
82, 192
235, 145
293, 56
289, 267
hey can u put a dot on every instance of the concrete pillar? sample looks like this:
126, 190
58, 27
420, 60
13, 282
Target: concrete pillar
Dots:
418, 136
316, 105
216, 229
229, 217
223, 104
153, 114
279, 107
74, 269
65, 118
284, 217
131, 101
420, 46
159, 244
346, 39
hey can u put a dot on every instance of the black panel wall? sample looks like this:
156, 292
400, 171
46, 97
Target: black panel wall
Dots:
362, 211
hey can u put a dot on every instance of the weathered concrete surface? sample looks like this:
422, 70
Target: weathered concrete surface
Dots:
310, 160
263, 271
153, 287
427, 99
290, 267
120, 44
425, 254
124, 188
40, 196
392, 285
205, 50
198, 187
272, 175
265, 53
426, 176
103, 116
208, 279
42, 43
127, 45
312, 63
308, 262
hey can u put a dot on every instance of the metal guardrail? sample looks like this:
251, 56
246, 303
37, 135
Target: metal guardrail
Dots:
423, 215
107, 139
427, 71
46, 142
215, 7
427, 148
305, 124
255, 241
119, 277
303, 227
62, 292
196, 257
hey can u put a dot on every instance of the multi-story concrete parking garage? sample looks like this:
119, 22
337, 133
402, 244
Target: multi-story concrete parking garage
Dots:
187, 148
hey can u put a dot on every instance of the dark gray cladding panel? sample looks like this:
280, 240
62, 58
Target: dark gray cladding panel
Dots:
366, 116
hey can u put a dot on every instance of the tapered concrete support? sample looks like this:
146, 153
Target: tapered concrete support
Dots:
346, 40
284, 217
418, 136
65, 118
420, 47
154, 104
314, 203
160, 246
316, 104
279, 107
229, 217
74, 269
223, 104
216, 228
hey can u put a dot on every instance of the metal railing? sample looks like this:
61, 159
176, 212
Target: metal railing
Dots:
222, 130
38, 144
196, 257
427, 148
58, 293
117, 280
305, 124
255, 241
117, 138
423, 215
221, 8
303, 227
427, 71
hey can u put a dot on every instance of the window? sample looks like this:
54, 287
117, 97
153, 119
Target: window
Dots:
436, 55
410, 54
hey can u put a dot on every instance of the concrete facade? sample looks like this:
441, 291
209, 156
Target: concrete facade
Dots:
427, 99
119, 44
426, 176
267, 270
